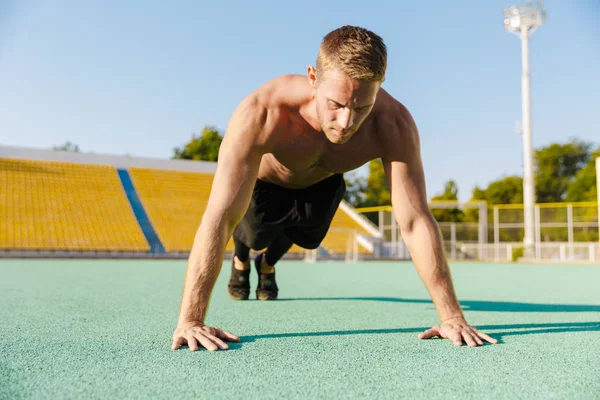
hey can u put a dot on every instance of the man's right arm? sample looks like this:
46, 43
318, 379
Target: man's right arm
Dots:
239, 159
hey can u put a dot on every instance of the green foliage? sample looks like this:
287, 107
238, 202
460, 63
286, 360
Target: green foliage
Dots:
448, 214
583, 187
355, 189
564, 172
517, 252
556, 167
205, 147
508, 190
377, 192
586, 234
68, 146
370, 192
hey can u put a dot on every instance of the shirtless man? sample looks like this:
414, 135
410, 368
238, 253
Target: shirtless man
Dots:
279, 181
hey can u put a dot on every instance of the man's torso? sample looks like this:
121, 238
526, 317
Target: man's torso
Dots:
302, 156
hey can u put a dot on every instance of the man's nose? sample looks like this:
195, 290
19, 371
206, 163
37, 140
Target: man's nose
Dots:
346, 118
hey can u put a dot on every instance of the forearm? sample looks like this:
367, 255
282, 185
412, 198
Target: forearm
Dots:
426, 247
204, 265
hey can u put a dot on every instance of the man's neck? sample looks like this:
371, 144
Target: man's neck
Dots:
307, 111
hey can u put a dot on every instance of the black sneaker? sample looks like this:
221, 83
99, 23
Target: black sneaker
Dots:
239, 283
267, 287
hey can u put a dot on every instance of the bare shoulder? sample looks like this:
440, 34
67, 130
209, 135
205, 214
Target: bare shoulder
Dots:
260, 113
282, 92
395, 126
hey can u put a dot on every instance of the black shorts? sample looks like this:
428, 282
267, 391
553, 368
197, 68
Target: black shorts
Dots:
303, 215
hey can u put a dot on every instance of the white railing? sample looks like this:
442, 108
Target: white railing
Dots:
545, 251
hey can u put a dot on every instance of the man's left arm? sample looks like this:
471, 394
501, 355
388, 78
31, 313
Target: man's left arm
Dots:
421, 234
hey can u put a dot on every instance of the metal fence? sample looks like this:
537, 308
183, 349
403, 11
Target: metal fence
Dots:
564, 231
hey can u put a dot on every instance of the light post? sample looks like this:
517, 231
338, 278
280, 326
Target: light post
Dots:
523, 21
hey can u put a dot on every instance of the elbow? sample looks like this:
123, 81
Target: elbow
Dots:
407, 227
410, 226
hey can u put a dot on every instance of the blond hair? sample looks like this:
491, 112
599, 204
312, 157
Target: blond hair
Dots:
356, 51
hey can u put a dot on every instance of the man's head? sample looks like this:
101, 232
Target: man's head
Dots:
350, 69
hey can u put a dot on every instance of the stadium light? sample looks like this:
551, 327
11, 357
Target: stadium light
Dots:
523, 21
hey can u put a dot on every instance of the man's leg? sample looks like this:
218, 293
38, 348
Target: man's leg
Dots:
250, 233
239, 281
265, 267
241, 255
274, 253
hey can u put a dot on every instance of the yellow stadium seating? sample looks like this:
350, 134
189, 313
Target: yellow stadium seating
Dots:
338, 237
174, 202
49, 205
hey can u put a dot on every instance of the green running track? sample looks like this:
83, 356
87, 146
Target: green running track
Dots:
99, 329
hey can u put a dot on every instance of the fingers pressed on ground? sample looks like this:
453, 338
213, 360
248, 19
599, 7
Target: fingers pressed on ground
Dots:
191, 342
222, 345
477, 338
429, 333
486, 337
177, 343
227, 335
456, 338
469, 339
206, 342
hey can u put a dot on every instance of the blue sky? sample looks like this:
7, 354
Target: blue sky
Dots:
140, 77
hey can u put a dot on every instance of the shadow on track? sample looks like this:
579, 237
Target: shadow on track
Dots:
470, 305
506, 330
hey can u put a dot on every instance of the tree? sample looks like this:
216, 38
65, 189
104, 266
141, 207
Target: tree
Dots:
556, 167
370, 192
508, 190
68, 146
355, 189
583, 187
448, 214
377, 192
205, 147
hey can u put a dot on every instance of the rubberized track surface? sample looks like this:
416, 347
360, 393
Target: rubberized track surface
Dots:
102, 329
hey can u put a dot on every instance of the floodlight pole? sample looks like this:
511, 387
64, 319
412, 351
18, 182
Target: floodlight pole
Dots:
528, 179
523, 21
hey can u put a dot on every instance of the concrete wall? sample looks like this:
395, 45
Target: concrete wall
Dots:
106, 159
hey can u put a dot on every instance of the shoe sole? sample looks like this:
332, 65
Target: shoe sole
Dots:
263, 296
235, 297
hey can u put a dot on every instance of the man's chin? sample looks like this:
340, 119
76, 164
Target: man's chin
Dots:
337, 137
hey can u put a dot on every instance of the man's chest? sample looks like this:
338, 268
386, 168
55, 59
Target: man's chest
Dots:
300, 154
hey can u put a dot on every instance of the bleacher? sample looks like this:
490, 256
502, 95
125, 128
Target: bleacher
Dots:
175, 202
343, 226
66, 205
46, 205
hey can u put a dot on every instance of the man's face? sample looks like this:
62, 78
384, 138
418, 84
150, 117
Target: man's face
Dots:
342, 103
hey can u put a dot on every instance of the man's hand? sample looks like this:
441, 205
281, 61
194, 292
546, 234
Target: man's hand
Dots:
458, 330
199, 334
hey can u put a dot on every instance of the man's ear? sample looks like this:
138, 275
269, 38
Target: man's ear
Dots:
312, 76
